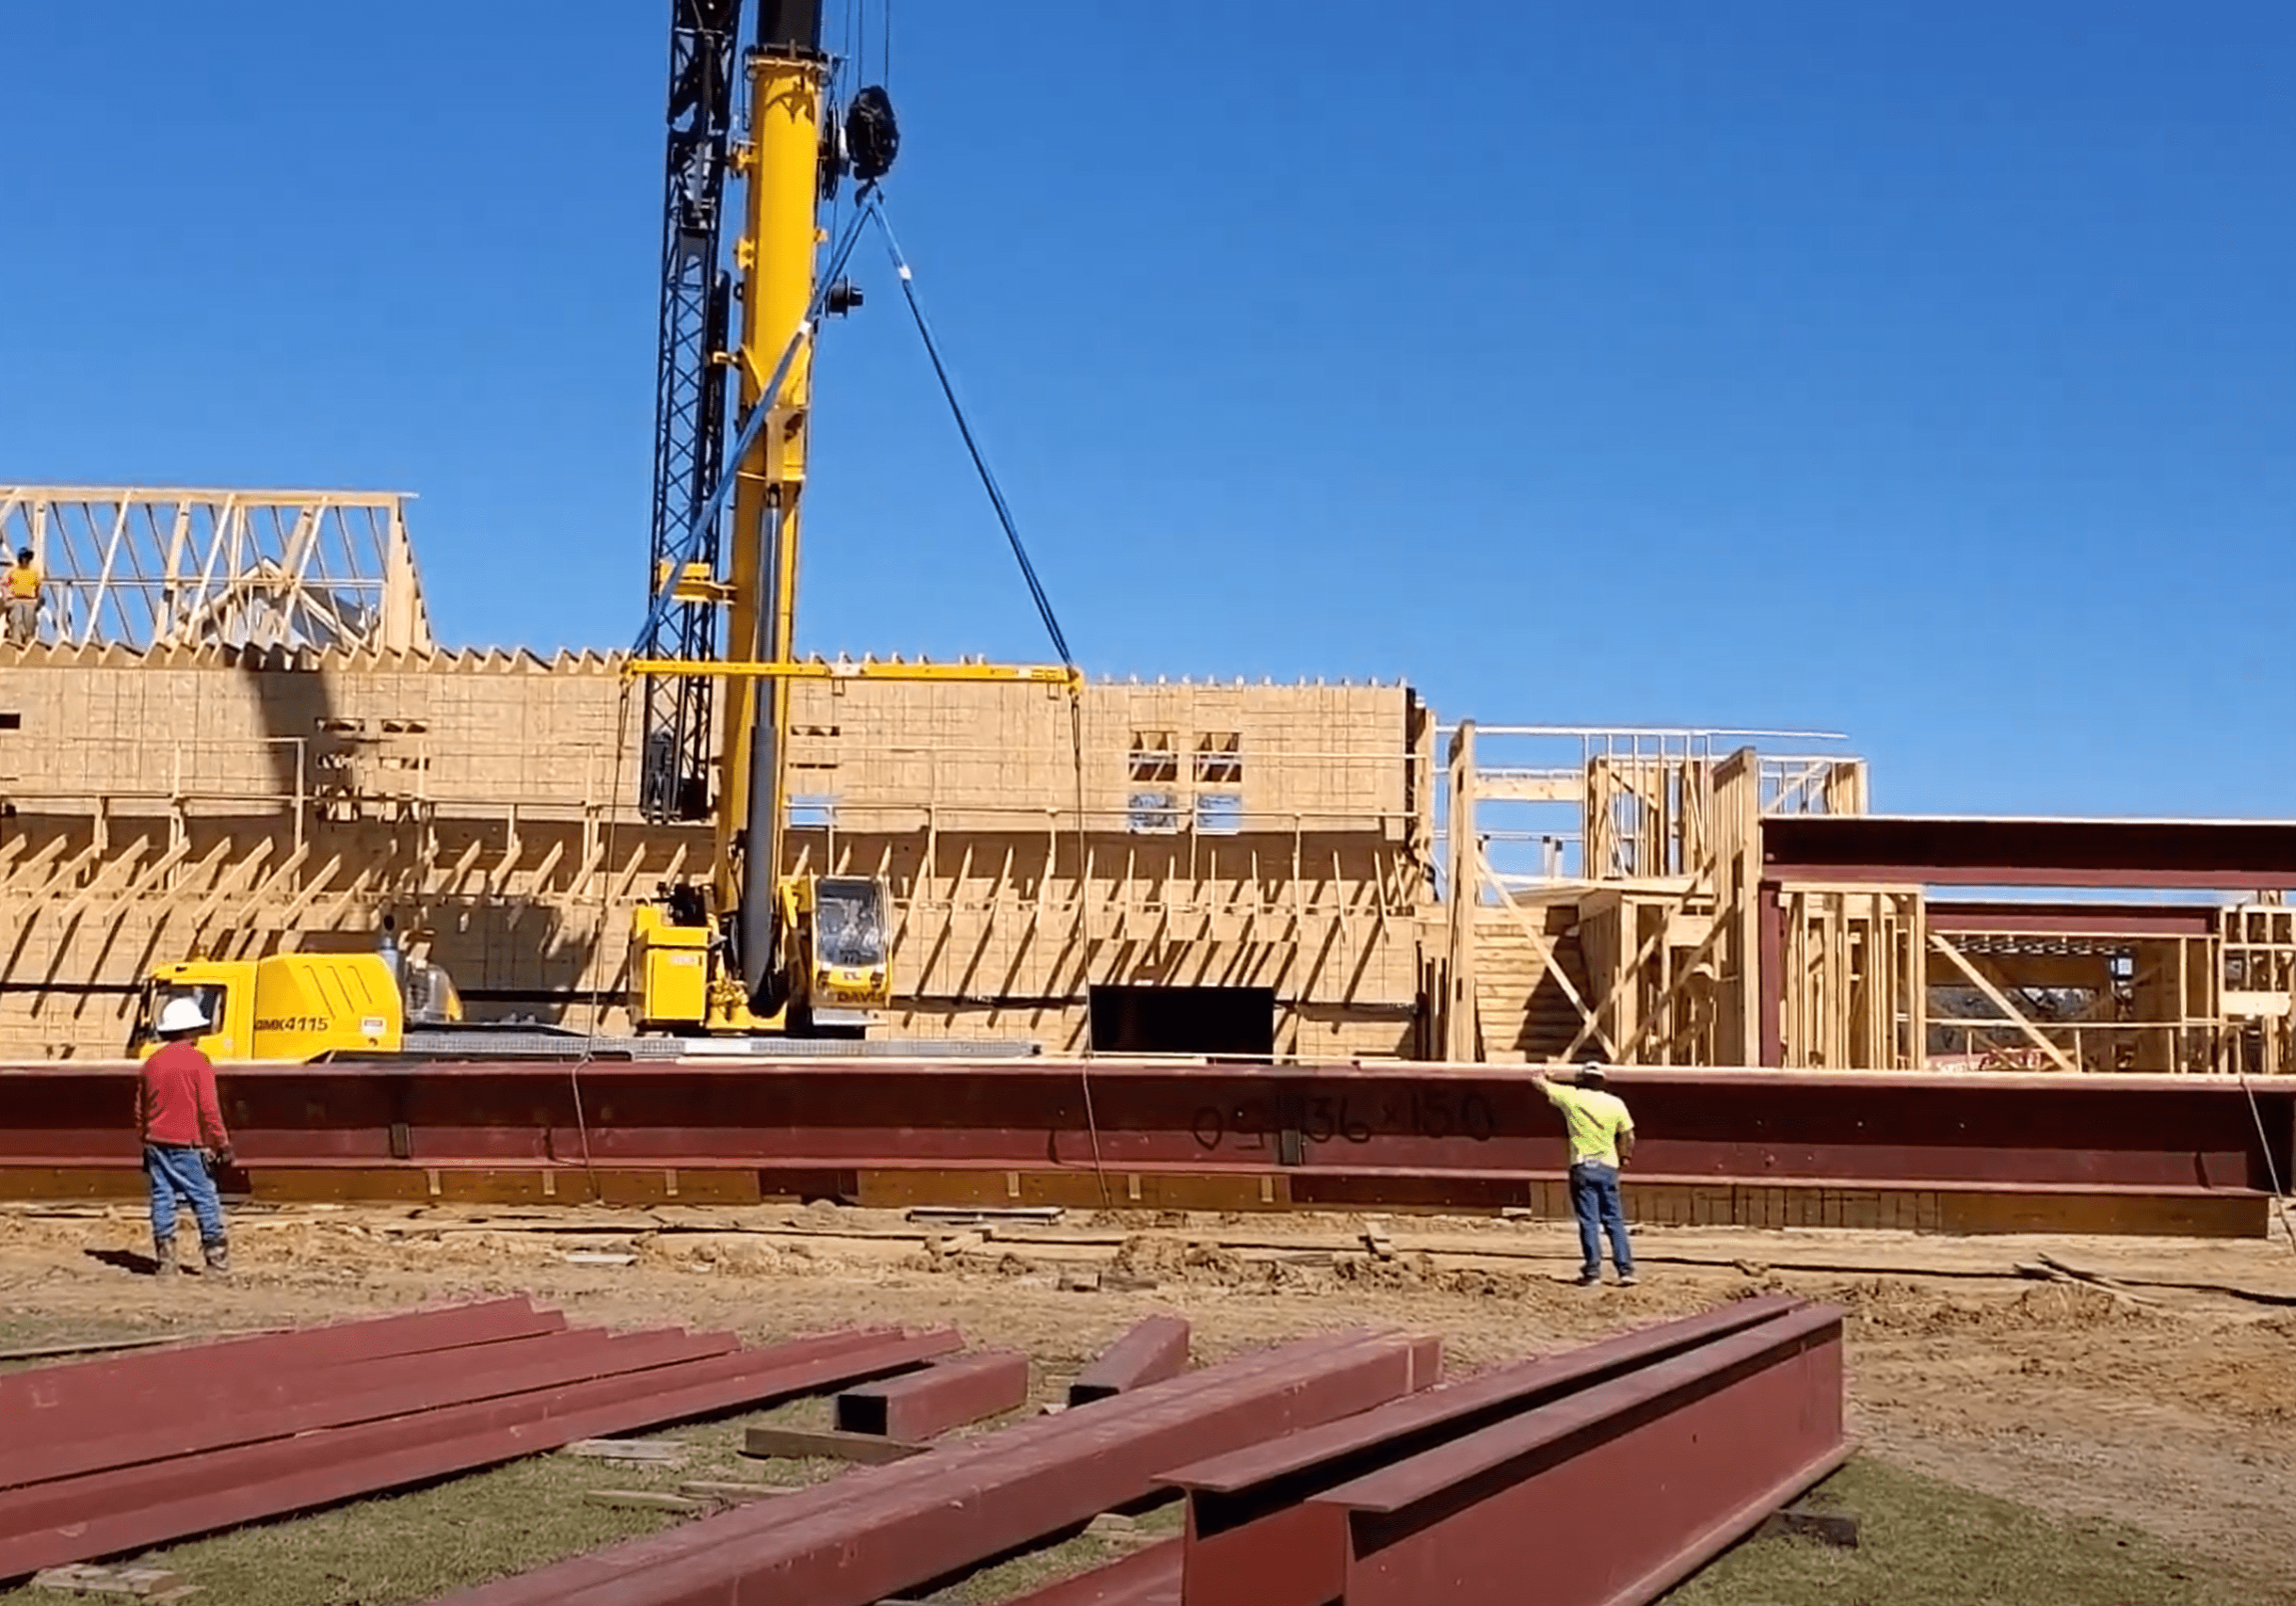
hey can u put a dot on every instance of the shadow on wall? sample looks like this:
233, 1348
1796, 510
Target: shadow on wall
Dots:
300, 724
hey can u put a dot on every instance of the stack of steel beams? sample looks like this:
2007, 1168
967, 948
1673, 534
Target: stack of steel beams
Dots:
105, 1458
1599, 1477
879, 1531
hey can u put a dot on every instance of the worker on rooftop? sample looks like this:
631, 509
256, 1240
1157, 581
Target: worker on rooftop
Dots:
181, 1120
1601, 1141
20, 593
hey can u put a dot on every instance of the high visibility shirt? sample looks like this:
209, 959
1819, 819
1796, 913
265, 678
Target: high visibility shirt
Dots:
176, 1102
23, 581
1594, 1119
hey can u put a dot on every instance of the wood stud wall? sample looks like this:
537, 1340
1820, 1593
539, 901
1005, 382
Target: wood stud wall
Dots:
200, 800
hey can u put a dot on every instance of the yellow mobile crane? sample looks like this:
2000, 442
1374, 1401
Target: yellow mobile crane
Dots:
760, 950
754, 951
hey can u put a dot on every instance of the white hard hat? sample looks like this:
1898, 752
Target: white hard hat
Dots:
181, 1014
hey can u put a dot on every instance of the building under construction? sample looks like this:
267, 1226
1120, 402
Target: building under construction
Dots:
238, 736
1202, 942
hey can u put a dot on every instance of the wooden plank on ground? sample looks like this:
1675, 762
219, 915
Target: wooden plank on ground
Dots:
118, 1583
719, 1488
826, 1444
643, 1499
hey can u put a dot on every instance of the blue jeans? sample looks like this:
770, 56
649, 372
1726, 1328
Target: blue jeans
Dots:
1594, 1194
178, 1175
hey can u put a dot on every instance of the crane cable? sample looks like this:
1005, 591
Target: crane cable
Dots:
1052, 628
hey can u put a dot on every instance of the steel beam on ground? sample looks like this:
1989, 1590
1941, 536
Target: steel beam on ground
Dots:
1609, 1497
344, 1397
251, 1389
128, 1509
1150, 1577
1253, 1542
875, 1532
42, 1399
920, 1405
1153, 1350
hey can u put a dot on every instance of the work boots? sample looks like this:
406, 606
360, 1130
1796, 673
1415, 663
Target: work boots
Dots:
162, 1254
218, 1257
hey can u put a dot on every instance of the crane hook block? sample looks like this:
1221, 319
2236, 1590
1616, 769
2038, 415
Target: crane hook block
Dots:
873, 138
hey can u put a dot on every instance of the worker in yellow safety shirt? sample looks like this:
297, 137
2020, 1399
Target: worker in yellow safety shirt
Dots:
1601, 1141
21, 592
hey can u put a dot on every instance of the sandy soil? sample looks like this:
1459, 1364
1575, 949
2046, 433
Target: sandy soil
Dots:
2171, 1406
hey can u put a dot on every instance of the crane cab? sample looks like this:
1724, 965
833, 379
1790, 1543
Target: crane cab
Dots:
843, 958
833, 975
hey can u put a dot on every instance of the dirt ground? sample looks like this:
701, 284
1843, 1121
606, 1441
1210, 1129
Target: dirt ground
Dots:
2166, 1402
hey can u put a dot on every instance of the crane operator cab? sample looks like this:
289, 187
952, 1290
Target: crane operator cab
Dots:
829, 976
843, 961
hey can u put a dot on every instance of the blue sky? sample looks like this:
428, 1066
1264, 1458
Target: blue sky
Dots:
1919, 371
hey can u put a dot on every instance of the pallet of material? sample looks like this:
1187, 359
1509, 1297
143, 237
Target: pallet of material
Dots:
113, 1457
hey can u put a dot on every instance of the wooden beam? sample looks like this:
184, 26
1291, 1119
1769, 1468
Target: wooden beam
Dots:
2000, 1002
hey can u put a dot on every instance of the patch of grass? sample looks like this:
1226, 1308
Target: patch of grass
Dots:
1923, 1542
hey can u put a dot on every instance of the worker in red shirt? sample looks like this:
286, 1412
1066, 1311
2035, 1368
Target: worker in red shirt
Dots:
182, 1123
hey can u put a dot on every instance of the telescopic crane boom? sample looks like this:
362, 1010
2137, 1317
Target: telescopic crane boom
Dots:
761, 951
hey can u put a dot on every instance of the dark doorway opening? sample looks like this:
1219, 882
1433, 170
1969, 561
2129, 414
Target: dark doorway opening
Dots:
1238, 1020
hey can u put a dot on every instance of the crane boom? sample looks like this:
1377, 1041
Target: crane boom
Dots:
780, 164
678, 743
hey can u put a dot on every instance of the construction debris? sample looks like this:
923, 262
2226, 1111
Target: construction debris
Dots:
629, 1452
133, 1582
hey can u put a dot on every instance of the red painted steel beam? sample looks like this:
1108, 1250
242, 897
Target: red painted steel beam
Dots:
2202, 854
128, 1509
2009, 918
1155, 1349
1609, 1497
42, 1399
875, 1532
922, 1405
386, 1389
1150, 1577
1342, 1123
1253, 1542
250, 1389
